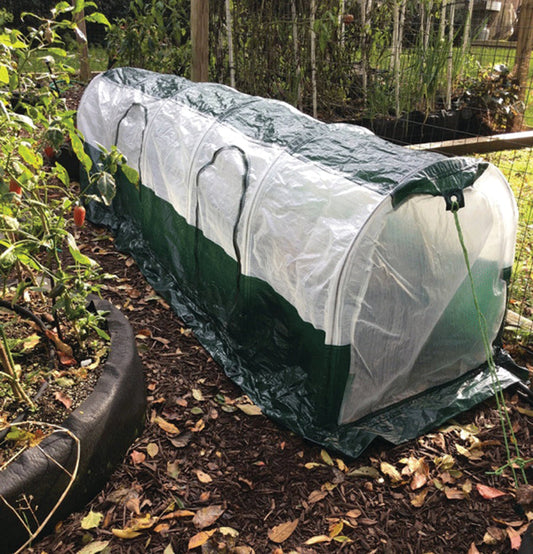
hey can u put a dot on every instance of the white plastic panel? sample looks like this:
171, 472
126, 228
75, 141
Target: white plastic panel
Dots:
407, 298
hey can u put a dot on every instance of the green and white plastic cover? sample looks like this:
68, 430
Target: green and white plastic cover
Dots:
316, 262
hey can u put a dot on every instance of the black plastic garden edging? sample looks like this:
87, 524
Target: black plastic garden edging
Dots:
106, 424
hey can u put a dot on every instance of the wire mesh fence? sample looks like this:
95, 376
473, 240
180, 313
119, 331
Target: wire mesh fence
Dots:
414, 71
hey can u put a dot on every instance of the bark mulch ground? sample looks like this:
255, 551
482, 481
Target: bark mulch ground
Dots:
211, 474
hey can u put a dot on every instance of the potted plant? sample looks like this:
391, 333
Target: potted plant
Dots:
57, 337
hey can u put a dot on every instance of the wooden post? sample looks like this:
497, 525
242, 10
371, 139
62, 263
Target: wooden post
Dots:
200, 40
524, 47
313, 57
83, 45
231, 59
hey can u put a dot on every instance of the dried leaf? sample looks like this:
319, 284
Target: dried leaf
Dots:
312, 465
200, 538
168, 427
444, 463
282, 532
354, 514
326, 458
418, 500
316, 496
31, 342
152, 449
418, 481
198, 426
454, 494
514, 537
92, 520
182, 441
467, 486
317, 539
64, 399
173, 469
336, 529
524, 495
250, 409
207, 516
58, 343
169, 550
66, 359
390, 471
494, 535
126, 533
197, 395
488, 492
203, 477
524, 411
137, 457
365, 471
94, 547
341, 465
178, 513
473, 549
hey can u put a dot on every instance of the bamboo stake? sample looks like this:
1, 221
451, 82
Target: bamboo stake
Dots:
524, 46
468, 27
229, 28
313, 57
200, 40
296, 47
442, 23
449, 75
342, 26
83, 45
364, 53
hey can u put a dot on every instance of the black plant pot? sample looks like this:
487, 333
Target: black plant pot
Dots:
106, 423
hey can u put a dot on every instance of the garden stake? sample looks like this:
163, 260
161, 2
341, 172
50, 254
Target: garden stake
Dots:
505, 421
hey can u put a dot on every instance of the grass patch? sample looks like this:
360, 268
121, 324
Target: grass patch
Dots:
517, 167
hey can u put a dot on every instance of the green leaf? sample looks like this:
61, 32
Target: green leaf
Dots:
106, 186
62, 174
76, 254
77, 147
92, 520
4, 75
98, 18
29, 156
131, 174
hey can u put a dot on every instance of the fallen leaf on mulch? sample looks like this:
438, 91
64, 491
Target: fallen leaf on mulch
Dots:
250, 409
94, 547
391, 472
365, 471
64, 399
326, 458
514, 537
418, 500
137, 457
203, 477
200, 538
92, 520
152, 449
524, 495
207, 516
317, 539
453, 494
494, 535
178, 513
473, 549
488, 492
168, 427
283, 531
317, 496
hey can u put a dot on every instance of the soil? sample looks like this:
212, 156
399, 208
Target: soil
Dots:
212, 472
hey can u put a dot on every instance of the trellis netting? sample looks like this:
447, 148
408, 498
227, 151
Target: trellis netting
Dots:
317, 263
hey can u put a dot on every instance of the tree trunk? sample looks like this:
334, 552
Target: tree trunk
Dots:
83, 45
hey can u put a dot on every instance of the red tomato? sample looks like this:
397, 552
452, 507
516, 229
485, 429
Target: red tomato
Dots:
49, 152
79, 215
15, 187
348, 18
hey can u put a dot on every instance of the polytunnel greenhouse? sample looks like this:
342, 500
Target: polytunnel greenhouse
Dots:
318, 264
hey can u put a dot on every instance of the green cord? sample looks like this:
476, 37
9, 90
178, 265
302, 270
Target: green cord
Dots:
503, 413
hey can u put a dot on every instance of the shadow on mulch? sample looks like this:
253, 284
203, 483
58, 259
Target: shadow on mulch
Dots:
203, 463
